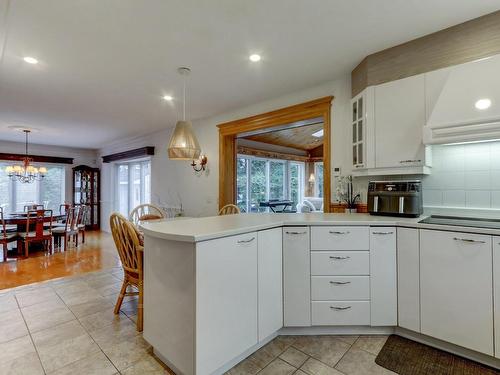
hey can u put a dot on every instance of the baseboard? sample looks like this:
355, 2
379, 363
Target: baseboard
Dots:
450, 348
334, 330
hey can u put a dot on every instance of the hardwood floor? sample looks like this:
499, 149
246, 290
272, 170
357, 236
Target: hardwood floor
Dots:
97, 253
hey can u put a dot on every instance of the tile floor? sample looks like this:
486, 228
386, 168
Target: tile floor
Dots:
315, 355
67, 326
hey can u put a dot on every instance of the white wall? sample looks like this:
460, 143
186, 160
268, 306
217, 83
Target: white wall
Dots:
175, 181
79, 155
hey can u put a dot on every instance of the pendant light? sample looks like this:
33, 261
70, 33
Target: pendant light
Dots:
183, 144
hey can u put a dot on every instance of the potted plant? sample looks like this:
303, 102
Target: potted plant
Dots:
345, 194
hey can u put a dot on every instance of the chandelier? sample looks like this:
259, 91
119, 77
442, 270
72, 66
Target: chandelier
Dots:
26, 173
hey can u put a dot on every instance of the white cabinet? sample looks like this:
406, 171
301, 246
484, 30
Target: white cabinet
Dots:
339, 238
226, 300
383, 280
362, 130
408, 279
340, 313
296, 277
399, 120
496, 292
270, 276
339, 263
456, 288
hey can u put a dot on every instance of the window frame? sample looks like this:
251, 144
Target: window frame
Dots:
40, 189
317, 185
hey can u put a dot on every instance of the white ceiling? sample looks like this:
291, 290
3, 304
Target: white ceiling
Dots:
104, 65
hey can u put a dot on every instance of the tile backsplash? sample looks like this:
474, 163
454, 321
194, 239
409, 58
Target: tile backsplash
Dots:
464, 176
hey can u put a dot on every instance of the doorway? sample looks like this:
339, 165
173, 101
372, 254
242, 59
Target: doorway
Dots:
302, 175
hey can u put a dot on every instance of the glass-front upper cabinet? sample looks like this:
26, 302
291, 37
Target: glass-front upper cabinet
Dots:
358, 131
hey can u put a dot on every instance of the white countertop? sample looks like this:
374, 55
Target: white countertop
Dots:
207, 228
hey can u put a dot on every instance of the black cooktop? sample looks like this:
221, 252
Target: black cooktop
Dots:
462, 221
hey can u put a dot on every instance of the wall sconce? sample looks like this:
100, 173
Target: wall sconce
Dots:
312, 179
200, 164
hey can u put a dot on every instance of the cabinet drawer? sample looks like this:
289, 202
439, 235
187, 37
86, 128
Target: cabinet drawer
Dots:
340, 238
340, 288
339, 263
340, 313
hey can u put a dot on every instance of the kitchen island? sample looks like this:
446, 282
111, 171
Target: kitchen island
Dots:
218, 288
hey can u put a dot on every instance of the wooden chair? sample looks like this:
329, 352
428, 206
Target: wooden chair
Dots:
68, 231
7, 234
40, 234
131, 254
146, 212
229, 209
82, 220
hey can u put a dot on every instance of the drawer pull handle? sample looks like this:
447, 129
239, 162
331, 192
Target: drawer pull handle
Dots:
410, 161
296, 232
246, 241
383, 233
339, 258
340, 282
337, 232
340, 308
467, 240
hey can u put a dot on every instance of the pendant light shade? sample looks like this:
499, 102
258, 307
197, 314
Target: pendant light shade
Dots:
183, 144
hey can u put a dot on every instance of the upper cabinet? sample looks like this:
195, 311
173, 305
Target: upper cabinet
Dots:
399, 116
386, 129
463, 102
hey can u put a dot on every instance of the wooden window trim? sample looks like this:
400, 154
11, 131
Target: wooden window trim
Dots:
228, 150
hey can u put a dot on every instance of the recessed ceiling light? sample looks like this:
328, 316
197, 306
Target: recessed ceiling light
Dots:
254, 57
483, 104
30, 60
168, 98
318, 134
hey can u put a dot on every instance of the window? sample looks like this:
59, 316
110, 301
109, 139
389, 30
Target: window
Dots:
259, 179
133, 185
50, 191
318, 173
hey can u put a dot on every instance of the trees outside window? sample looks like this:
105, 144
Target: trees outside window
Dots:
318, 173
260, 179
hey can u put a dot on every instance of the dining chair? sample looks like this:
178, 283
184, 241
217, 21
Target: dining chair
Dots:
36, 219
146, 212
82, 220
6, 234
130, 251
229, 209
68, 231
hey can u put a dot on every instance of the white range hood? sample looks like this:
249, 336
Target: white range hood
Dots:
463, 103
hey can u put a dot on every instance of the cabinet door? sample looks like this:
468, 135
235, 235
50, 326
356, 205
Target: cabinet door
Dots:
496, 291
226, 300
456, 288
408, 279
270, 278
296, 277
383, 281
399, 121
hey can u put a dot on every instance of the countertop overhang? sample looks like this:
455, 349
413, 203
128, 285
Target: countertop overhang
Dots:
208, 228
